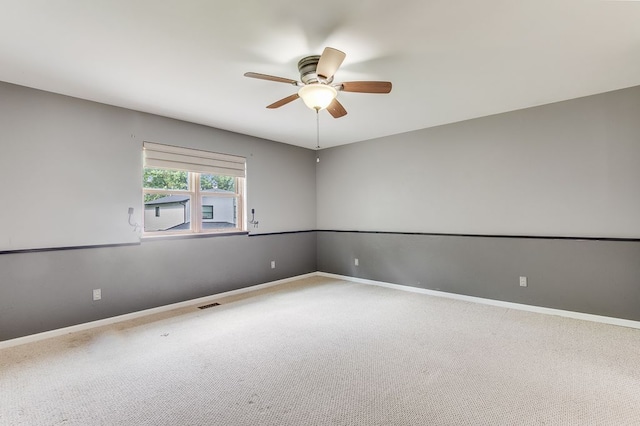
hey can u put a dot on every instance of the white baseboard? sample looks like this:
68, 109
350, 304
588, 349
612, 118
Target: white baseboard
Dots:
519, 306
112, 320
208, 299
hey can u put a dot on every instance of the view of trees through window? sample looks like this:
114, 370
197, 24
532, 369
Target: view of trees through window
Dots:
179, 180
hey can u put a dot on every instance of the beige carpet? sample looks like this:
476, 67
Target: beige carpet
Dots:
327, 352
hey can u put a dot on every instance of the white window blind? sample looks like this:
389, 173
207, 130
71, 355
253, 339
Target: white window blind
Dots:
192, 160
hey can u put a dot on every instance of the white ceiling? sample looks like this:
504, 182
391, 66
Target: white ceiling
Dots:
448, 60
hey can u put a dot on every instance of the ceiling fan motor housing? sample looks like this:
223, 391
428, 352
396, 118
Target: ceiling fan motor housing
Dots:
307, 67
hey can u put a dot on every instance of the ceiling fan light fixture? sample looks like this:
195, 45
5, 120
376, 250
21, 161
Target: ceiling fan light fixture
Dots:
317, 96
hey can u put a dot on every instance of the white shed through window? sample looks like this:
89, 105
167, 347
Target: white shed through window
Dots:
192, 191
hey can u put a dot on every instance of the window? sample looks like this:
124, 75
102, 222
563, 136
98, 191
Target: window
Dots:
207, 212
189, 186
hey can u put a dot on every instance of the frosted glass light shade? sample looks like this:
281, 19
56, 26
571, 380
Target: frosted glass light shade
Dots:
317, 96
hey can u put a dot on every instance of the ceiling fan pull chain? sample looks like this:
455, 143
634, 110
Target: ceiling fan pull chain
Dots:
317, 128
317, 134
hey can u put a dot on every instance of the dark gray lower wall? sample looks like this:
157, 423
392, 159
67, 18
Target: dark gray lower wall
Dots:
41, 291
590, 276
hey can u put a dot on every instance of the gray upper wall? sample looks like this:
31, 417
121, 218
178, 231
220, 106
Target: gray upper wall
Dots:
564, 169
71, 169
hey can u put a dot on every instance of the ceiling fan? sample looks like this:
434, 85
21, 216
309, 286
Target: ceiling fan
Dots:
317, 89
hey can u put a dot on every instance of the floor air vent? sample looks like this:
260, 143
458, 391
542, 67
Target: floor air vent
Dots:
210, 305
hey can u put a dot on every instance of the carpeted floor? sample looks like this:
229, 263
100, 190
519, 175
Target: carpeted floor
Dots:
326, 352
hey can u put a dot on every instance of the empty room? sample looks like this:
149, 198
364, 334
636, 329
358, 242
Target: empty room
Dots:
340, 213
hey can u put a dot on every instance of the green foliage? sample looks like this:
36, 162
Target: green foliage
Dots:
152, 197
226, 183
165, 179
179, 180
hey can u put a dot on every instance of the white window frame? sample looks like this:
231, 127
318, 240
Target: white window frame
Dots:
211, 164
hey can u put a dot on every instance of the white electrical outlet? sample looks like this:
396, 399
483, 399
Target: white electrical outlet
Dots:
97, 294
356, 261
273, 264
523, 281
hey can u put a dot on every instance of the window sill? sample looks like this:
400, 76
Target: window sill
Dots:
148, 238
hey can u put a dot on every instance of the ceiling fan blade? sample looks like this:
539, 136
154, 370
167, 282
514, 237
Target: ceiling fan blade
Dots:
367, 86
336, 109
329, 62
270, 78
283, 101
